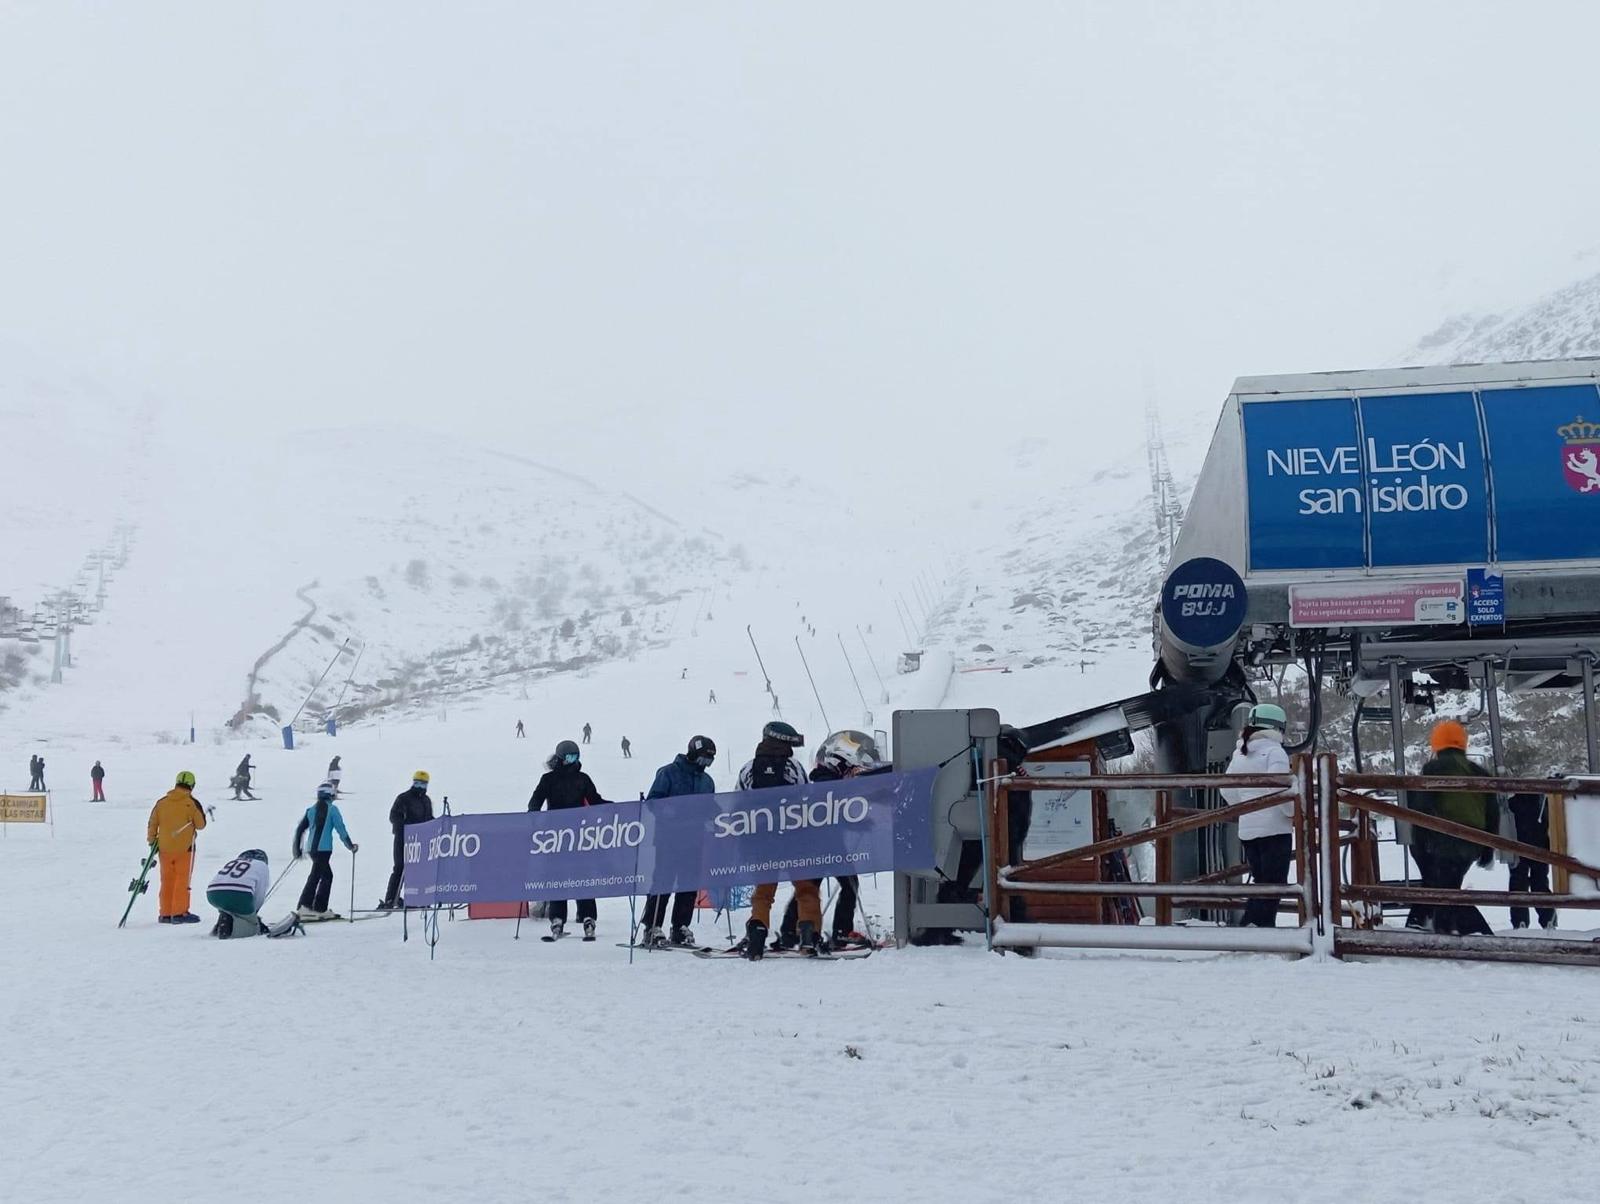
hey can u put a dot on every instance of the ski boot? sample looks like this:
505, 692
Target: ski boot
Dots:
785, 941
808, 942
588, 930
755, 940
387, 905
558, 929
682, 937
654, 938
851, 940
187, 917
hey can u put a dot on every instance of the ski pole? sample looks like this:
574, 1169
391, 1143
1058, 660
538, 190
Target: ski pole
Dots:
352, 912
274, 885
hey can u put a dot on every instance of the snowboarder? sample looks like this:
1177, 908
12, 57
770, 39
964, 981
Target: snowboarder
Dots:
412, 806
521, 732
844, 754
1266, 837
335, 775
565, 785
627, 749
1445, 860
174, 820
237, 892
685, 774
774, 765
587, 732
321, 820
97, 775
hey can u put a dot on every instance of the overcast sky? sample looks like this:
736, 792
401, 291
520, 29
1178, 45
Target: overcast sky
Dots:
683, 235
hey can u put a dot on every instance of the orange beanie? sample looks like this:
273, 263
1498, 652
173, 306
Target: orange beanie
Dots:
1447, 733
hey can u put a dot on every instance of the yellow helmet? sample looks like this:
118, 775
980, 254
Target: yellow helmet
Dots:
186, 779
420, 776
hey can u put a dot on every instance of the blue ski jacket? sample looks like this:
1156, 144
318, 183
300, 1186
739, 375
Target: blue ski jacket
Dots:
321, 821
681, 777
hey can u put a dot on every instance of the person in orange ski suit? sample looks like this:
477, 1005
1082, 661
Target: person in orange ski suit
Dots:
174, 820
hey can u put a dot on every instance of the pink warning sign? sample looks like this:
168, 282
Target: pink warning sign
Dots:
1377, 604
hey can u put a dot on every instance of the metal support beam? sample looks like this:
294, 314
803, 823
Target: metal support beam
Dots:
1397, 744
1491, 699
1129, 936
1590, 720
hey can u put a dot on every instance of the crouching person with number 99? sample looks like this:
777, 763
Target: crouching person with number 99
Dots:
237, 892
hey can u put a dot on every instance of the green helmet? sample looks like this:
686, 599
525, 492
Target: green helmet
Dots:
1267, 714
186, 779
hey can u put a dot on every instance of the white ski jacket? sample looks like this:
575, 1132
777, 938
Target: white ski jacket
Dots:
1266, 755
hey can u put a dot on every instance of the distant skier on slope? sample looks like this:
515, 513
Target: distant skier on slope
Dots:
412, 806
587, 732
97, 776
521, 731
774, 765
174, 820
564, 785
685, 774
321, 820
627, 749
241, 779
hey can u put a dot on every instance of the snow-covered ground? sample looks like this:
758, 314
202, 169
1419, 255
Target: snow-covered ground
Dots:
153, 1063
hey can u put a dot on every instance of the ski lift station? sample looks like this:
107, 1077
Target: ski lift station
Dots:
1392, 534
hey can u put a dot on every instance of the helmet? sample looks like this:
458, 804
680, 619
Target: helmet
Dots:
252, 855
186, 779
848, 750
702, 751
420, 776
783, 732
1447, 733
1013, 745
326, 792
1267, 714
567, 753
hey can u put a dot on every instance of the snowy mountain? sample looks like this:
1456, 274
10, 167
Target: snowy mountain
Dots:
1558, 325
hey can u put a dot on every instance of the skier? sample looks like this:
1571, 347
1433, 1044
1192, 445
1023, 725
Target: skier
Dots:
520, 731
774, 765
713, 697
174, 820
1532, 815
241, 780
1445, 860
587, 732
685, 774
1266, 837
38, 775
565, 785
627, 749
321, 820
237, 892
844, 754
335, 775
97, 775
412, 806
684, 676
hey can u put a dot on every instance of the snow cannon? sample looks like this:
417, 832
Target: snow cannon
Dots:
1201, 613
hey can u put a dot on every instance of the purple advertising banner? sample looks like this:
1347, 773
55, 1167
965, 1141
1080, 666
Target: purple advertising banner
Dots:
858, 825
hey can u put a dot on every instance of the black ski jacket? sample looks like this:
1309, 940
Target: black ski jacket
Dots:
563, 787
412, 806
